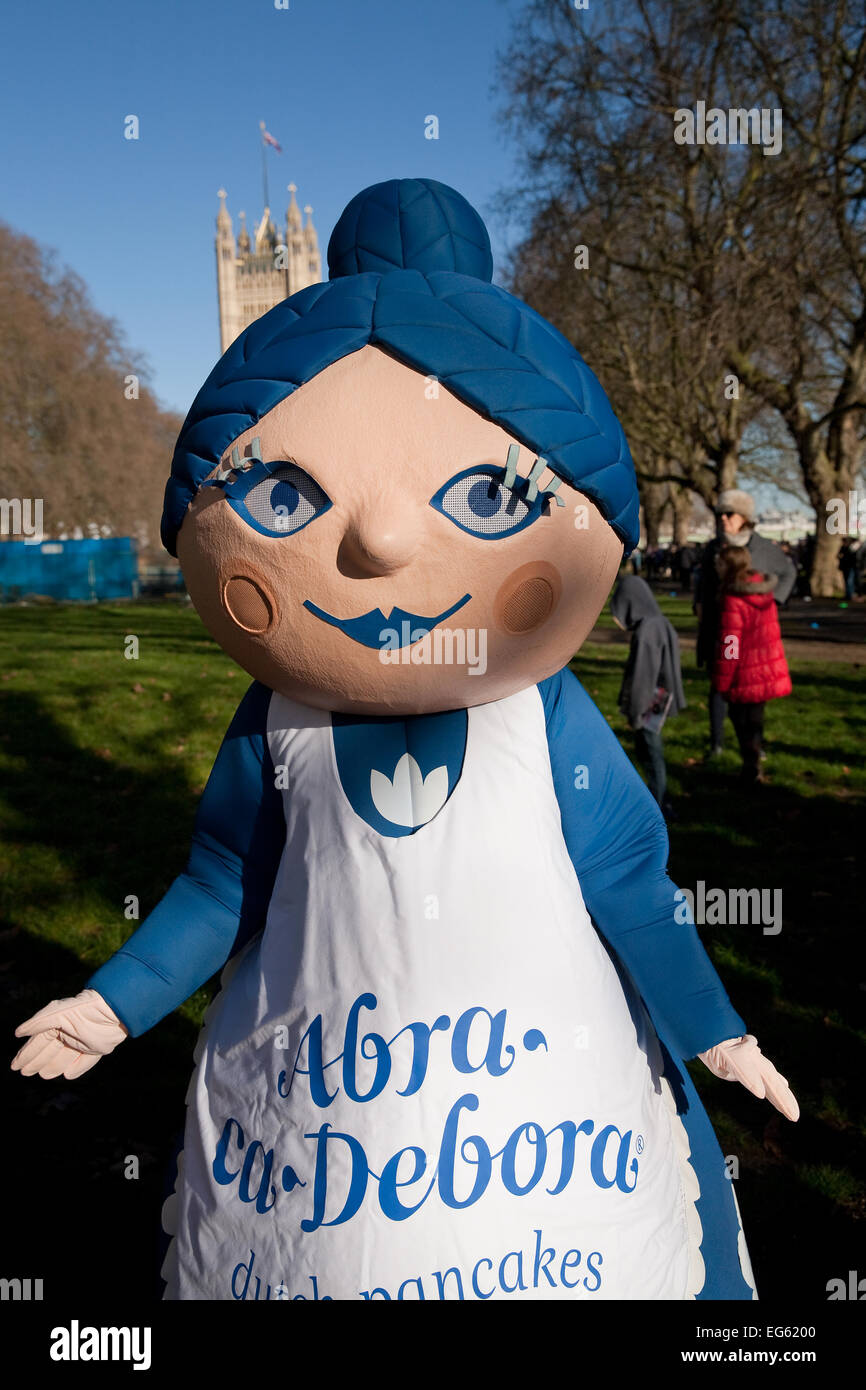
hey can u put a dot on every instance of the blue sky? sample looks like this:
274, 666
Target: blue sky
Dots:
343, 86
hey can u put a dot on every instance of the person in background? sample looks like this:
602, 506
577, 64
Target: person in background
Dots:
749, 666
652, 685
848, 566
735, 513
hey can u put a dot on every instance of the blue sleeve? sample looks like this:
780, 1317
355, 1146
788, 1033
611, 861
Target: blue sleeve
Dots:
220, 901
617, 840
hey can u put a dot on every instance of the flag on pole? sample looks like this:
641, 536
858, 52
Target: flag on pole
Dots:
269, 140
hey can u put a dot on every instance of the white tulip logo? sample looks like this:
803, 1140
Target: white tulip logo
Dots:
410, 799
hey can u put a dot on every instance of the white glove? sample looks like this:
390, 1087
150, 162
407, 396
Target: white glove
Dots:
740, 1059
68, 1037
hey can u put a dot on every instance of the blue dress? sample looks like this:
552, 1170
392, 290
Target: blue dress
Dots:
447, 1057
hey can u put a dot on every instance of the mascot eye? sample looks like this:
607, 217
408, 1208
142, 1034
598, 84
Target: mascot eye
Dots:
478, 502
284, 502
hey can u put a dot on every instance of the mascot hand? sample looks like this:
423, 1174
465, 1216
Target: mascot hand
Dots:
68, 1037
740, 1059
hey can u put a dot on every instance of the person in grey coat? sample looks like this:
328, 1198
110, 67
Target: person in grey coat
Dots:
735, 514
652, 684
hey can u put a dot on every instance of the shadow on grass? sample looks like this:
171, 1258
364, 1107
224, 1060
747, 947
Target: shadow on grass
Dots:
801, 993
118, 828
831, 676
811, 752
72, 1217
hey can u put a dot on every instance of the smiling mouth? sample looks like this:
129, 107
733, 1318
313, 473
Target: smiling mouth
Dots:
374, 629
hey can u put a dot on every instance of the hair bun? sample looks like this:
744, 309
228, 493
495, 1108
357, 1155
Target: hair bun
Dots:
410, 224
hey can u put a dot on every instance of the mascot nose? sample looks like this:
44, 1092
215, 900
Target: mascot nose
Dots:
378, 541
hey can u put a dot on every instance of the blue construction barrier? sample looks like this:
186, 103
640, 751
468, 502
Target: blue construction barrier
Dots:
69, 569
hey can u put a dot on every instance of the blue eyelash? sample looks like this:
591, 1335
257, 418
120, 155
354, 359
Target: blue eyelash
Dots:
532, 488
509, 477
250, 470
251, 473
238, 487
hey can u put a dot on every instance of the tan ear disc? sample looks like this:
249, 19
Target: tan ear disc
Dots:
247, 605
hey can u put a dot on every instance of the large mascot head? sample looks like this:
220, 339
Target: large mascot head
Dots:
401, 491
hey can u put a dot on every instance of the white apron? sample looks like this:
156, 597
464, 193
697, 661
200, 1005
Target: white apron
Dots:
424, 1079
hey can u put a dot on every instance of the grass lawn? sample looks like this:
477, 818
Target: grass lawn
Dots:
102, 761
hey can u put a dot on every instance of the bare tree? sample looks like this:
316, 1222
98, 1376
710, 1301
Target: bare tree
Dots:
811, 255
82, 431
722, 279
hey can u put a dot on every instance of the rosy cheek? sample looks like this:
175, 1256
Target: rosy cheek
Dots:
528, 598
248, 604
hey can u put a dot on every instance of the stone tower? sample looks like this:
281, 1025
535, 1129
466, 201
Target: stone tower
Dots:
254, 275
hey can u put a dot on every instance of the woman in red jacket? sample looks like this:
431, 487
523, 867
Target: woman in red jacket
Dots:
750, 666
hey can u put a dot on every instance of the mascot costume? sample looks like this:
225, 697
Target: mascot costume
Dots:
447, 1057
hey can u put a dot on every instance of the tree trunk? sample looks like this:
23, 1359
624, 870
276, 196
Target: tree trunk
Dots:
728, 465
654, 499
826, 578
830, 479
681, 499
830, 468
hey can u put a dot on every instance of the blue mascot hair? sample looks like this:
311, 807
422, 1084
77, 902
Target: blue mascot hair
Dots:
410, 270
